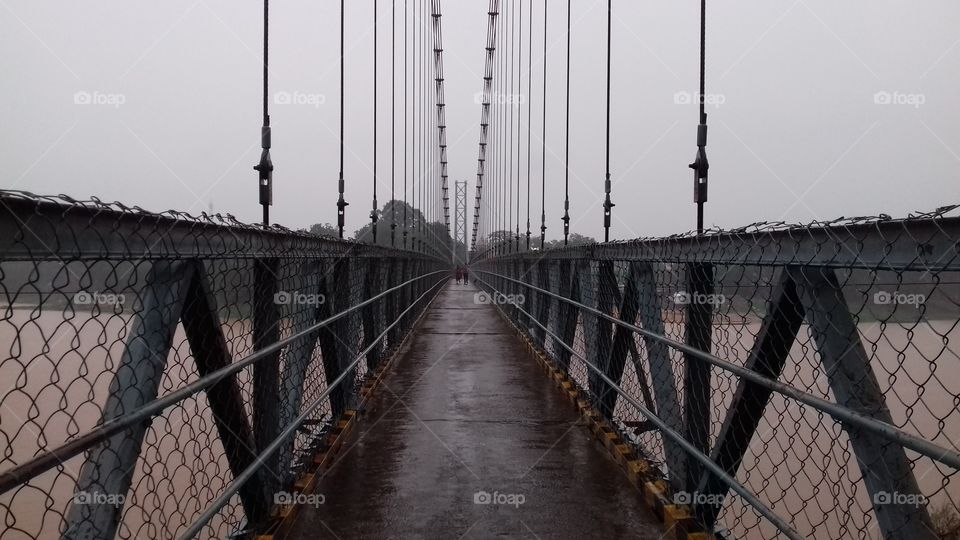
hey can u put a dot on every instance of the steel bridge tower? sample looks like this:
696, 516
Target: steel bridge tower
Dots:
460, 224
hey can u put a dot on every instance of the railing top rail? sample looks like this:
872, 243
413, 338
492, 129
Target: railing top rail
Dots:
839, 412
61, 228
919, 242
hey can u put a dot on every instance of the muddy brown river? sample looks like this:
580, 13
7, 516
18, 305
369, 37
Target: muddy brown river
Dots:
54, 376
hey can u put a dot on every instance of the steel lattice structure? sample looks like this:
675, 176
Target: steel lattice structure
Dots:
766, 370
460, 223
180, 350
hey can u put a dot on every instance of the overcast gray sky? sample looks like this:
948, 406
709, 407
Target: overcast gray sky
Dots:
798, 136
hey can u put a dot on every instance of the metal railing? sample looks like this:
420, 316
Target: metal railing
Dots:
798, 381
167, 375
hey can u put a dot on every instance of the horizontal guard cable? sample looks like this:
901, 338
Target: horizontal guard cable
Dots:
666, 430
842, 414
248, 473
47, 460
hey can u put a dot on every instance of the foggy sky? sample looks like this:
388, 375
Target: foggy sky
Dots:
798, 135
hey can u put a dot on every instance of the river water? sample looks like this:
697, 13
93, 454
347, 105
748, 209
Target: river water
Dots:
55, 374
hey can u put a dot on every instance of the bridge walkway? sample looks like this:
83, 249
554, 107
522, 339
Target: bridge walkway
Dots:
467, 438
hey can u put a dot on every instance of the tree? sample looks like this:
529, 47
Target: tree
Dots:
573, 240
324, 229
392, 210
946, 522
418, 228
494, 240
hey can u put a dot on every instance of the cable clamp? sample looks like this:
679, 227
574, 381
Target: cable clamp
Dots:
265, 168
700, 165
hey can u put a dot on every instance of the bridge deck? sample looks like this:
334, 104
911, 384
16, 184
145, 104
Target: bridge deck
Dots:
465, 411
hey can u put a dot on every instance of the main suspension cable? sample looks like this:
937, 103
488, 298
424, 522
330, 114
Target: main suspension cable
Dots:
519, 107
700, 164
529, 110
423, 127
373, 210
496, 171
265, 167
393, 123
502, 152
509, 163
566, 179
415, 243
543, 139
444, 207
481, 204
428, 125
406, 132
607, 203
341, 202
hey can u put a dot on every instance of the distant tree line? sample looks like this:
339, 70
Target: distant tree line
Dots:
508, 239
407, 218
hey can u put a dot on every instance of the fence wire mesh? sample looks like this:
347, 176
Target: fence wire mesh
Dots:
105, 308
861, 313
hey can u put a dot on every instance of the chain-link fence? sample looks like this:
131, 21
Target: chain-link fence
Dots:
785, 380
150, 360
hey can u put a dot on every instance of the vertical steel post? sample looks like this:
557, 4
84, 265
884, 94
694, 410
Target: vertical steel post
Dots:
109, 467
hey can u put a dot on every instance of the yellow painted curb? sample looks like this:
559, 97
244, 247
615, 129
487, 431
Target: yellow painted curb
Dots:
677, 518
673, 514
283, 516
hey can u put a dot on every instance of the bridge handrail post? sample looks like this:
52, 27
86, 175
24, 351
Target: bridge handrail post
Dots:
566, 313
696, 374
266, 374
210, 351
884, 464
293, 378
606, 297
110, 465
372, 313
768, 356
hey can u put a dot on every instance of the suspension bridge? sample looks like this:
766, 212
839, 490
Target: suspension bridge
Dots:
169, 375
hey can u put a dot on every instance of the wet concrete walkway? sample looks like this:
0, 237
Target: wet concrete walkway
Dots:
468, 438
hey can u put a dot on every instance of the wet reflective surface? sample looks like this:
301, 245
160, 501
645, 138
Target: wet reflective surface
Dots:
467, 438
